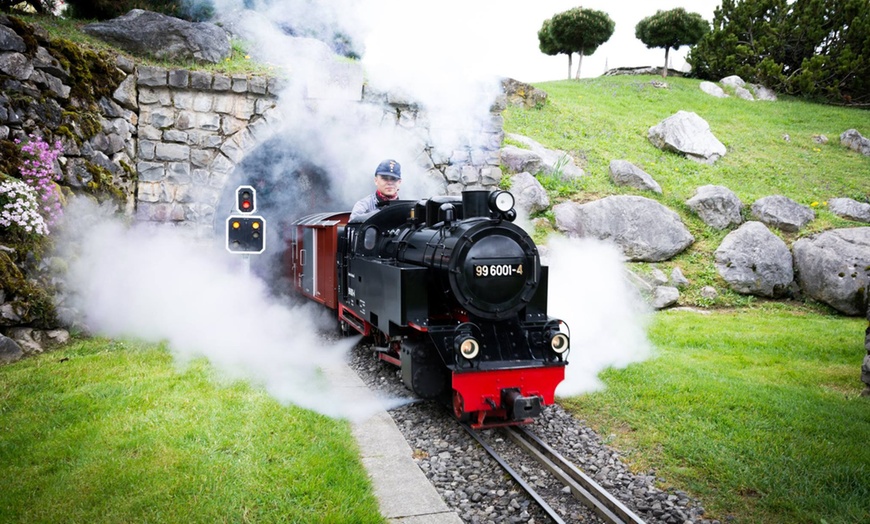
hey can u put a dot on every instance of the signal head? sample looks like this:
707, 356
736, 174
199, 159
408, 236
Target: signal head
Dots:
246, 199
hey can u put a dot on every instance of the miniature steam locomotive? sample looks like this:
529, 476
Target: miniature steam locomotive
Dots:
450, 290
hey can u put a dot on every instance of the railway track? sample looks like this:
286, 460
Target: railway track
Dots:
584, 489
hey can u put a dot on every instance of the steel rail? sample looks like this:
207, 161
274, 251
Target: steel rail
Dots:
582, 486
516, 476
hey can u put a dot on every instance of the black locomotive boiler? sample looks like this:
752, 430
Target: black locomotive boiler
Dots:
451, 291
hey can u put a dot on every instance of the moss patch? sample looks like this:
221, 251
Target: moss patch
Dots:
92, 75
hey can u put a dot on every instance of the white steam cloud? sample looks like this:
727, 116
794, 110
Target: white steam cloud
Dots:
156, 285
589, 290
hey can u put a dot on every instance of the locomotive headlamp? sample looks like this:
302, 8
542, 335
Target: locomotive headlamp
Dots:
468, 347
559, 343
501, 201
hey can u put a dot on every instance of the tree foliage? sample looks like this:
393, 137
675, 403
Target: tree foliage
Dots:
671, 30
816, 48
576, 30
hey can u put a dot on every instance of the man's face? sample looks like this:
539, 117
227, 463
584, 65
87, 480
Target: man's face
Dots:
387, 185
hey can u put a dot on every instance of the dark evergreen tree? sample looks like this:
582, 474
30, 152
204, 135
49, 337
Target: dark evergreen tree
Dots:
671, 30
817, 48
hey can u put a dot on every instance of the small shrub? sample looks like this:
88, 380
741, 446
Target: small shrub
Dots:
37, 170
19, 209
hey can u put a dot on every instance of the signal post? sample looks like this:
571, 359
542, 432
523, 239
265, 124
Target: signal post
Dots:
246, 232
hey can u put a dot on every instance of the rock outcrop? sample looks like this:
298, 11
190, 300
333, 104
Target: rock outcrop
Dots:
717, 206
754, 261
145, 33
644, 229
782, 212
624, 173
832, 267
688, 134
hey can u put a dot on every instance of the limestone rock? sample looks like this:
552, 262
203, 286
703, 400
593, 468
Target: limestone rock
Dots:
689, 134
712, 89
644, 229
625, 173
717, 206
552, 161
164, 37
733, 81
850, 209
10, 351
530, 195
782, 212
853, 140
665, 296
832, 267
754, 261
522, 94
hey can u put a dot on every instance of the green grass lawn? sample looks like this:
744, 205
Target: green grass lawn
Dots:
106, 431
757, 412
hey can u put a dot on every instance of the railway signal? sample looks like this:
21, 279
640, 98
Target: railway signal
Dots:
246, 234
246, 199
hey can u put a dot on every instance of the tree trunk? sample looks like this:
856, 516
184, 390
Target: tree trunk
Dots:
570, 57
665, 69
579, 63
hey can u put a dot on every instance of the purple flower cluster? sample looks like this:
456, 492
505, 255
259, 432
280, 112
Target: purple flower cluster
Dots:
37, 170
20, 209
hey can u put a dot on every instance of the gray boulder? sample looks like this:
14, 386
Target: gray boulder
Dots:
782, 212
551, 160
853, 140
665, 296
733, 81
762, 93
624, 173
164, 37
832, 267
10, 351
530, 195
522, 94
10, 41
754, 261
712, 89
717, 206
518, 160
850, 209
745, 94
688, 134
644, 229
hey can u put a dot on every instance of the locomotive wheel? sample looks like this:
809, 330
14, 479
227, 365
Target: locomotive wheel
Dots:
458, 405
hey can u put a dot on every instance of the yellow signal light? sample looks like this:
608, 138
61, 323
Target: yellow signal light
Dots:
255, 225
237, 224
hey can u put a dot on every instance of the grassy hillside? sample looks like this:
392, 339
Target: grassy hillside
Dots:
607, 118
756, 410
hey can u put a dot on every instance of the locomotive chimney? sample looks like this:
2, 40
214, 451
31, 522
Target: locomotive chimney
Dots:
475, 203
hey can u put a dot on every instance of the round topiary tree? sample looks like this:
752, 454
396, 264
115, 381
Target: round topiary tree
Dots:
671, 30
548, 45
579, 30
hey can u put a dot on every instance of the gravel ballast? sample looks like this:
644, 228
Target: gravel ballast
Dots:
478, 489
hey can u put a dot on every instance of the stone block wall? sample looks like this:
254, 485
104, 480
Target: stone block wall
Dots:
194, 127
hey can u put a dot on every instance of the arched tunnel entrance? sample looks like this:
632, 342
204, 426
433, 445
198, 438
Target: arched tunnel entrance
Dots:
288, 186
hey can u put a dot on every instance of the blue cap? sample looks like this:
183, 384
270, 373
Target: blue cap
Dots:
389, 168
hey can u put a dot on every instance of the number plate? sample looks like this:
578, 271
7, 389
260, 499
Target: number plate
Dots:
498, 270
